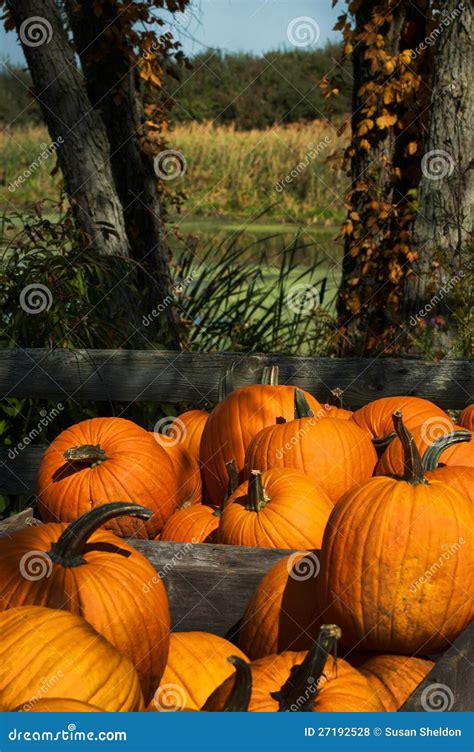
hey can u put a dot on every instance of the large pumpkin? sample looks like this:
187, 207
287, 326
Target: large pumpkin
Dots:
195, 524
186, 467
44, 651
308, 681
396, 559
280, 508
395, 677
282, 613
197, 664
96, 575
187, 428
232, 425
376, 416
466, 419
58, 705
336, 454
101, 460
458, 452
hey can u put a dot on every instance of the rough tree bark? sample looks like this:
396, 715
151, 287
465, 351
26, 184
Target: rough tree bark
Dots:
84, 156
444, 222
113, 86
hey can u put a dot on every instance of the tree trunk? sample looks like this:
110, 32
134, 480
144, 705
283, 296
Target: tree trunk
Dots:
83, 154
444, 220
112, 80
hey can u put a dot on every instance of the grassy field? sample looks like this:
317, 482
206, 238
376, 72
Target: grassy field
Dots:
282, 171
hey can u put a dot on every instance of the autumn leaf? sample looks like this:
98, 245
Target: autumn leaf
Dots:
386, 120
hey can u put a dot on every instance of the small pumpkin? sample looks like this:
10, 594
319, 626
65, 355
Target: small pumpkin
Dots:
281, 508
457, 452
336, 454
466, 419
376, 416
187, 428
195, 524
282, 613
100, 460
299, 681
58, 705
458, 477
43, 648
232, 425
96, 575
395, 677
197, 664
186, 467
395, 561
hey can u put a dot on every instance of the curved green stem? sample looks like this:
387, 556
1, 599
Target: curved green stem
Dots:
270, 375
413, 468
432, 455
70, 547
302, 409
88, 454
301, 688
232, 485
256, 493
381, 444
239, 698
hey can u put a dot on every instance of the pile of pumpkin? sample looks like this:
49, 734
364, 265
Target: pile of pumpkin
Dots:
370, 500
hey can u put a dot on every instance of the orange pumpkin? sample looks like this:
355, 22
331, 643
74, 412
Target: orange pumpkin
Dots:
395, 561
44, 651
459, 477
466, 419
96, 575
197, 664
187, 428
104, 459
232, 425
186, 467
195, 524
376, 416
457, 452
282, 613
395, 677
282, 508
336, 454
59, 705
304, 682
331, 411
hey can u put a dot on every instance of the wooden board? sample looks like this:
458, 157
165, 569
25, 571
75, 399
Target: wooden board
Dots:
186, 377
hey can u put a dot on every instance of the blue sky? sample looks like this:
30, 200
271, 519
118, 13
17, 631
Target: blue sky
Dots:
236, 25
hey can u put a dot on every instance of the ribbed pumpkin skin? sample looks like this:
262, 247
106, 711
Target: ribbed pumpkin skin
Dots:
77, 663
294, 517
59, 705
190, 437
195, 524
196, 666
395, 677
107, 591
336, 454
376, 416
186, 467
137, 470
391, 461
381, 538
458, 477
232, 425
331, 411
466, 419
282, 613
344, 691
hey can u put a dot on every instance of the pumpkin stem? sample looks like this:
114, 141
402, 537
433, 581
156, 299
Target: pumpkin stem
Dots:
256, 495
270, 375
432, 455
302, 409
380, 445
88, 454
335, 398
226, 384
232, 485
411, 456
70, 547
301, 688
239, 698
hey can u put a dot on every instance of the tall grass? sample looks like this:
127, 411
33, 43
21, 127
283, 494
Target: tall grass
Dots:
229, 173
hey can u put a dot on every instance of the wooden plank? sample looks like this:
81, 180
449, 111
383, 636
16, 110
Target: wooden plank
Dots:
17, 522
208, 585
18, 475
186, 377
454, 672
